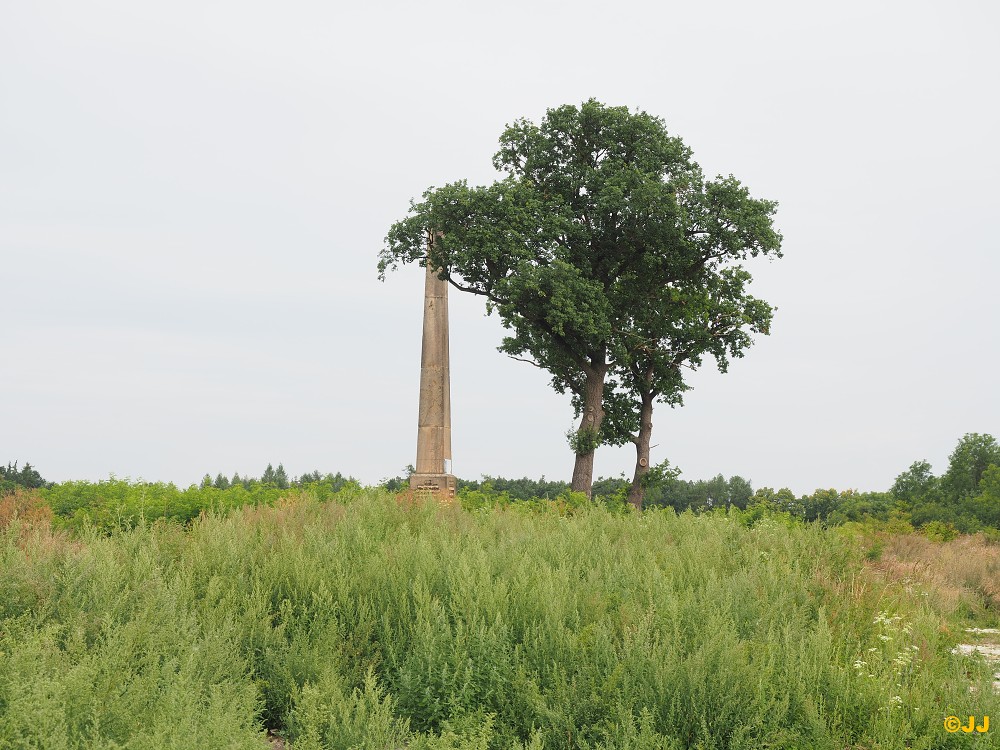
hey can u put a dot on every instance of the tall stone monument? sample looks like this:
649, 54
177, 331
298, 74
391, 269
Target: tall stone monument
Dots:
433, 467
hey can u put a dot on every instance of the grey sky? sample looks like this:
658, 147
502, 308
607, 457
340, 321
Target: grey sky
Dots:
193, 196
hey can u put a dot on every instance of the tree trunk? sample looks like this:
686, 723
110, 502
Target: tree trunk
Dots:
637, 492
590, 427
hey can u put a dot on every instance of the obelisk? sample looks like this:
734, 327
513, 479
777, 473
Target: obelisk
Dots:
433, 467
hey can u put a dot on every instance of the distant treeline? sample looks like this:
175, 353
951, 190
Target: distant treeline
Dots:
965, 498
11, 477
276, 478
123, 502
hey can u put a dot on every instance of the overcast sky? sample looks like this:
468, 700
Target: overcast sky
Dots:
193, 196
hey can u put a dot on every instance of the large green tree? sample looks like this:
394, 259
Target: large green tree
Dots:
973, 455
605, 252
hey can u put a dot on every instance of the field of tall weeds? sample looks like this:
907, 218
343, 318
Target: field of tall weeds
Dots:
363, 622
961, 575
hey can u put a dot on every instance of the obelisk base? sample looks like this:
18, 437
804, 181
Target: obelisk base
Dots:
443, 484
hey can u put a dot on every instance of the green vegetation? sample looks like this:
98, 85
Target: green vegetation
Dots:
141, 615
965, 499
114, 503
611, 260
11, 477
367, 621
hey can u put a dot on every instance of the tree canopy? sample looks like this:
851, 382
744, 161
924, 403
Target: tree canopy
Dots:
27, 477
608, 256
966, 497
968, 462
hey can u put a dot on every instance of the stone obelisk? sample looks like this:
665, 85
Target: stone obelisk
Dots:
433, 467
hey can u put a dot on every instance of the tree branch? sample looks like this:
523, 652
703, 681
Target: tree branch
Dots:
557, 339
529, 361
473, 290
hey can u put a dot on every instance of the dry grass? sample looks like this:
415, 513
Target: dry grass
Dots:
26, 516
961, 576
27, 507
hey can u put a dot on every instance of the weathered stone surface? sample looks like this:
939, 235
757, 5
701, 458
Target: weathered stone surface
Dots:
442, 483
433, 466
988, 650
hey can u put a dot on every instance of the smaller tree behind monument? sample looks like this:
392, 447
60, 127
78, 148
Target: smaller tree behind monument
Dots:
672, 334
604, 250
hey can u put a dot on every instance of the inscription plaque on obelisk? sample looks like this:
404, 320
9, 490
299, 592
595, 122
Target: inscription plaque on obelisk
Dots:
433, 467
